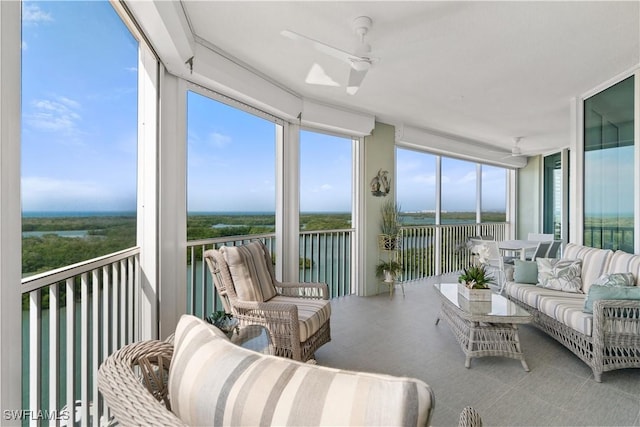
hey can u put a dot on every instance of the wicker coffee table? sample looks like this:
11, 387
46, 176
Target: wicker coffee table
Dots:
483, 328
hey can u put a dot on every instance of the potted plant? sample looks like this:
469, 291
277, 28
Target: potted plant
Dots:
473, 283
389, 225
388, 270
223, 321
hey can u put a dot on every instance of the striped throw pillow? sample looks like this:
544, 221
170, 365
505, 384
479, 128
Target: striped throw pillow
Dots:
214, 382
249, 270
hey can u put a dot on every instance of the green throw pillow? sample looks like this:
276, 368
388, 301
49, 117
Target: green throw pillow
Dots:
525, 271
598, 292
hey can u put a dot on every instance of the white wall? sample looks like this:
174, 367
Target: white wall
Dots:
10, 212
379, 153
529, 217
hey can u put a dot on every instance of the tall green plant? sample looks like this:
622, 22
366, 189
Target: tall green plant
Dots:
390, 218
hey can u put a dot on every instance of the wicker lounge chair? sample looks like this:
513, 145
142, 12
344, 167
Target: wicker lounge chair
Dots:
134, 382
296, 314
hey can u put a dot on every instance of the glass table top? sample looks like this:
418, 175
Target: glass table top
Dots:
499, 306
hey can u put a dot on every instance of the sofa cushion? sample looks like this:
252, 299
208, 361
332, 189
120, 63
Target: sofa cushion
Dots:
530, 294
252, 279
525, 271
567, 309
312, 313
560, 274
594, 262
623, 262
598, 292
615, 279
214, 382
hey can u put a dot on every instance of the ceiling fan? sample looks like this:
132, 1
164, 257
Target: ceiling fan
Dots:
360, 59
516, 151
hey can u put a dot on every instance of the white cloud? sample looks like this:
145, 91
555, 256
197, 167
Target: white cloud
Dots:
428, 179
54, 115
219, 140
24, 45
43, 193
468, 177
32, 14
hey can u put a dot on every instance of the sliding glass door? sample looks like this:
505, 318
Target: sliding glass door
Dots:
609, 167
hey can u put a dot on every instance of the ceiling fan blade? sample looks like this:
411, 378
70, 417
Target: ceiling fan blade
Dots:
355, 80
322, 47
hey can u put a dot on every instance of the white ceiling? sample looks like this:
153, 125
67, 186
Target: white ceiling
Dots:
487, 71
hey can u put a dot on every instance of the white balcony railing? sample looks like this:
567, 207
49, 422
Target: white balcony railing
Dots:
433, 250
325, 256
73, 318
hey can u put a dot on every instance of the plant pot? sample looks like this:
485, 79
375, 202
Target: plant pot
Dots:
474, 307
474, 294
388, 277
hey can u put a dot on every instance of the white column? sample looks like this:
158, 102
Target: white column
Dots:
287, 201
10, 212
512, 203
576, 173
357, 214
478, 193
172, 203
147, 225
438, 216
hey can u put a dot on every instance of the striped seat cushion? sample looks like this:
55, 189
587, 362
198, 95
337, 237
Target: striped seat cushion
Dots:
530, 294
312, 313
250, 272
567, 309
214, 382
594, 262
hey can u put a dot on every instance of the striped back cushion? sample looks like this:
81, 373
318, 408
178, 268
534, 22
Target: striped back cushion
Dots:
250, 272
594, 262
623, 262
214, 382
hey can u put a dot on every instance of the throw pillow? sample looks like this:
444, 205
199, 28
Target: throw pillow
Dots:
252, 279
598, 292
560, 274
616, 279
525, 271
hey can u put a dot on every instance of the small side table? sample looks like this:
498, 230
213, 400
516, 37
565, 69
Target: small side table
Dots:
253, 337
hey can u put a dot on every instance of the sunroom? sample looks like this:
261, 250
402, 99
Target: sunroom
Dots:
534, 104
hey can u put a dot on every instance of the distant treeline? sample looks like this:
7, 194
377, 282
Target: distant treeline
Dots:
108, 234
105, 235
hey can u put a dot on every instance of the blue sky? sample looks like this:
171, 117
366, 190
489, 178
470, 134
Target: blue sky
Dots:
79, 108
416, 186
80, 127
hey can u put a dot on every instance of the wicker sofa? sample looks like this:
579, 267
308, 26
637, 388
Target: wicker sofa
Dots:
608, 338
204, 379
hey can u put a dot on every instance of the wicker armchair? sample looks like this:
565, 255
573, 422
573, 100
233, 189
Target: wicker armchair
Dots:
133, 382
297, 317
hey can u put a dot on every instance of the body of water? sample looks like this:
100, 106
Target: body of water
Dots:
61, 233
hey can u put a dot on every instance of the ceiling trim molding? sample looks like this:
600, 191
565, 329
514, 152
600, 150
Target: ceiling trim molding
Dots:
337, 120
167, 29
454, 146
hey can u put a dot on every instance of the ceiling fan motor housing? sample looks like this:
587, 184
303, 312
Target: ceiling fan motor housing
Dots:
362, 25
